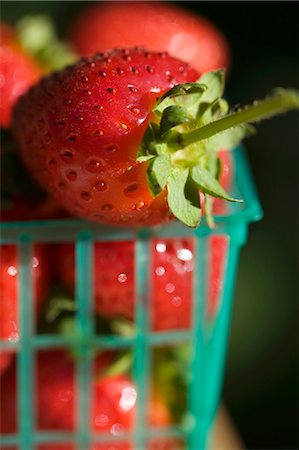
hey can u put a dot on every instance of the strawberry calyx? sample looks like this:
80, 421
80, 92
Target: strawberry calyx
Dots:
37, 35
190, 123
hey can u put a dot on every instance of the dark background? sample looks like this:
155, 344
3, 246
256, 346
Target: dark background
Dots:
260, 383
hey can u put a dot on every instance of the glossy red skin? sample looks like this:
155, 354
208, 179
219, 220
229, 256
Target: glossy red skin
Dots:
79, 130
18, 71
9, 327
56, 399
155, 25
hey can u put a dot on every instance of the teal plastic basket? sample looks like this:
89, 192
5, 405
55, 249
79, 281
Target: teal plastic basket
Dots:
208, 339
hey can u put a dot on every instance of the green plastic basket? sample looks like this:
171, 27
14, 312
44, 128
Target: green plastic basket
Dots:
209, 340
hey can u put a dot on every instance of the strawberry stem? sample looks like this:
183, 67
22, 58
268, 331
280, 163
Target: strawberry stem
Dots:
282, 101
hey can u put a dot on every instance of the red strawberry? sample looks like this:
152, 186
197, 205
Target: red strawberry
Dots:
154, 25
113, 402
9, 328
171, 279
18, 71
84, 129
102, 138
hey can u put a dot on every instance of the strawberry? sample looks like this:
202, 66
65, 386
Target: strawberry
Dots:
9, 328
112, 146
171, 279
18, 71
157, 26
113, 402
85, 127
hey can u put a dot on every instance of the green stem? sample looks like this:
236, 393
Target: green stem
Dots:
282, 101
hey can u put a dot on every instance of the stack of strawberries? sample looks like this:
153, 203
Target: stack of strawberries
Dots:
133, 134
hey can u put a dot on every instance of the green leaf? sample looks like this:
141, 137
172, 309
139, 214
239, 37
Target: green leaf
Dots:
209, 185
152, 181
186, 95
181, 198
207, 112
173, 116
147, 148
161, 168
215, 81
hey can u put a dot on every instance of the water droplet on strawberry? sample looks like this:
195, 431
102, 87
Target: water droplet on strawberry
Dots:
101, 420
160, 271
140, 205
169, 288
176, 301
12, 271
128, 398
122, 277
34, 262
184, 254
117, 429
